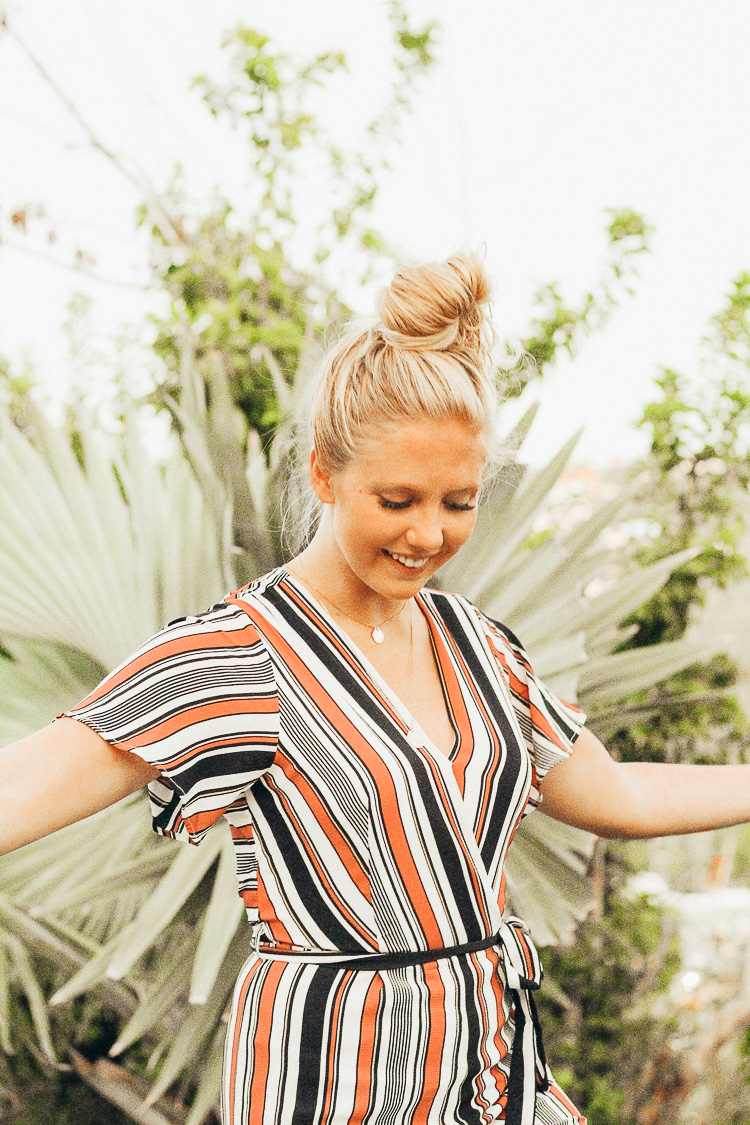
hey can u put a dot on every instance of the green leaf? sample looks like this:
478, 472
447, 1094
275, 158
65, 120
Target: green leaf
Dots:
24, 974
5, 1011
505, 526
224, 914
209, 1091
610, 679
547, 877
169, 986
172, 892
202, 1019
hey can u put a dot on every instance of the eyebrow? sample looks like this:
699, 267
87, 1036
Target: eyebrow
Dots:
410, 489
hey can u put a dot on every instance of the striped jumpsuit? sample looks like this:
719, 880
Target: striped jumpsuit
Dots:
356, 840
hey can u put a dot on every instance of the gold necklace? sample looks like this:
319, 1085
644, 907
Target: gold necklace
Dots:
376, 631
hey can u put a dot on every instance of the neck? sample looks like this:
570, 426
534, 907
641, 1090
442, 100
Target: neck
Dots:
324, 568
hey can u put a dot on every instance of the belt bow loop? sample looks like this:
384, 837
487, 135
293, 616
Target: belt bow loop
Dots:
528, 1064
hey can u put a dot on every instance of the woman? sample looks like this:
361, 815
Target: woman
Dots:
373, 745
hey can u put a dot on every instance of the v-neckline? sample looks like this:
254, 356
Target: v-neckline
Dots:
415, 732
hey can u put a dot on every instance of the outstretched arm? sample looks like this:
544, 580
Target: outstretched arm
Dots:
629, 800
59, 775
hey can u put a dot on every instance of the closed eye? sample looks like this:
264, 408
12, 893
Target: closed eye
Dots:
400, 505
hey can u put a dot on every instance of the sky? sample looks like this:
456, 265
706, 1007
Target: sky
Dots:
537, 118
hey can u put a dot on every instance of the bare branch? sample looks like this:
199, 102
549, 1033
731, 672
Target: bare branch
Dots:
72, 267
170, 230
124, 1090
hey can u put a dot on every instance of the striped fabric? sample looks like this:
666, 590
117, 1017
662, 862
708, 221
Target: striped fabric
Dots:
354, 836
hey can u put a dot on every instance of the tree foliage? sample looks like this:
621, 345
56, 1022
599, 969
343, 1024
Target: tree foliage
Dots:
600, 1025
560, 325
236, 280
695, 495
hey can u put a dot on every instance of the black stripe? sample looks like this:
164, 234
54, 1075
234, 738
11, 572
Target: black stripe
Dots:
468, 1113
313, 1042
505, 784
301, 876
452, 859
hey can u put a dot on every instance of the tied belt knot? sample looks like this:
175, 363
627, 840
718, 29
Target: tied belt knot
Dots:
523, 976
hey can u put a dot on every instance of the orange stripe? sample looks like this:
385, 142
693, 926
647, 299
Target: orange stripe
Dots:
501, 1079
455, 700
279, 932
565, 1100
244, 832
365, 1056
235, 1049
346, 656
170, 648
491, 769
501, 893
262, 1037
435, 1044
377, 768
460, 841
480, 1098
329, 827
526, 953
333, 1047
202, 712
314, 864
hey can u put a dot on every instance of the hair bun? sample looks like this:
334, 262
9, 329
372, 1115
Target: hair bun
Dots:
438, 306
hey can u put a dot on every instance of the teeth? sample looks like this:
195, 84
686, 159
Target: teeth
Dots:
415, 564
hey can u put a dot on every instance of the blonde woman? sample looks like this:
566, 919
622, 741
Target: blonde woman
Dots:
373, 745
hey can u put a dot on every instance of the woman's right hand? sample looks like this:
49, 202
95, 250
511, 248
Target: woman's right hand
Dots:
59, 775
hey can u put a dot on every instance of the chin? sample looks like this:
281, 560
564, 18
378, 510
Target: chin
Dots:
400, 575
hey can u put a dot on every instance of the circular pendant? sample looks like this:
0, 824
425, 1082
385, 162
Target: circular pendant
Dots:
377, 635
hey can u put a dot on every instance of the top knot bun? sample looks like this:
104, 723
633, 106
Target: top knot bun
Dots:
430, 357
439, 306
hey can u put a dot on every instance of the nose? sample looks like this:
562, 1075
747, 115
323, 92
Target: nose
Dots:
426, 533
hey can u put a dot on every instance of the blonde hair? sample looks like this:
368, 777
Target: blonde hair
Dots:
428, 356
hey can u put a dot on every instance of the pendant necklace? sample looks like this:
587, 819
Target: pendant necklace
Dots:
376, 631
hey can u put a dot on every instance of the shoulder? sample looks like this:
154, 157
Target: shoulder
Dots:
498, 635
208, 642
231, 619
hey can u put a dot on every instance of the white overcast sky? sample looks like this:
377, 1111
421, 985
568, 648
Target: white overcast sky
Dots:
538, 117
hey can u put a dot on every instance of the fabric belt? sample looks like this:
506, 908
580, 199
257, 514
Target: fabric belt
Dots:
523, 973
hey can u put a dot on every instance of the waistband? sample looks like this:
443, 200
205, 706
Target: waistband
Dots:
523, 976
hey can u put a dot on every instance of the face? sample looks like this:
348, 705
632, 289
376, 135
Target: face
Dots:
404, 506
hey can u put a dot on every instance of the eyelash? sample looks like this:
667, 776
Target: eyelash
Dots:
400, 506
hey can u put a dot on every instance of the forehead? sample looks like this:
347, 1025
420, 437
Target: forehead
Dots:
449, 453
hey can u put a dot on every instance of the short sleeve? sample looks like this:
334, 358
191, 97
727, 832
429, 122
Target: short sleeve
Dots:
199, 702
550, 726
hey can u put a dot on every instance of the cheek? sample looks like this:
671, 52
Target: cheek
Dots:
464, 530
361, 524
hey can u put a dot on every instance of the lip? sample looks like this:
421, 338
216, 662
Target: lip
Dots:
402, 566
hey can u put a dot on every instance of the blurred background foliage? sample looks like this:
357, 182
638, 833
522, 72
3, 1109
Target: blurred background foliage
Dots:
118, 946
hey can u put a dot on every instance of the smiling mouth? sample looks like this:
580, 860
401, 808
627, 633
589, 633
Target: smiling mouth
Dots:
404, 560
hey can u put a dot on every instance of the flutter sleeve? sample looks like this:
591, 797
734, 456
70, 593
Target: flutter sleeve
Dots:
550, 726
199, 702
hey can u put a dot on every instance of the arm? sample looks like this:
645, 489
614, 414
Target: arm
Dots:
59, 775
636, 799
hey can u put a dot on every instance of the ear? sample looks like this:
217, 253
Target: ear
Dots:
322, 481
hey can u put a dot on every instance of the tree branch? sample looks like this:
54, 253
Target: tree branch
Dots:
124, 1090
170, 231
32, 252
